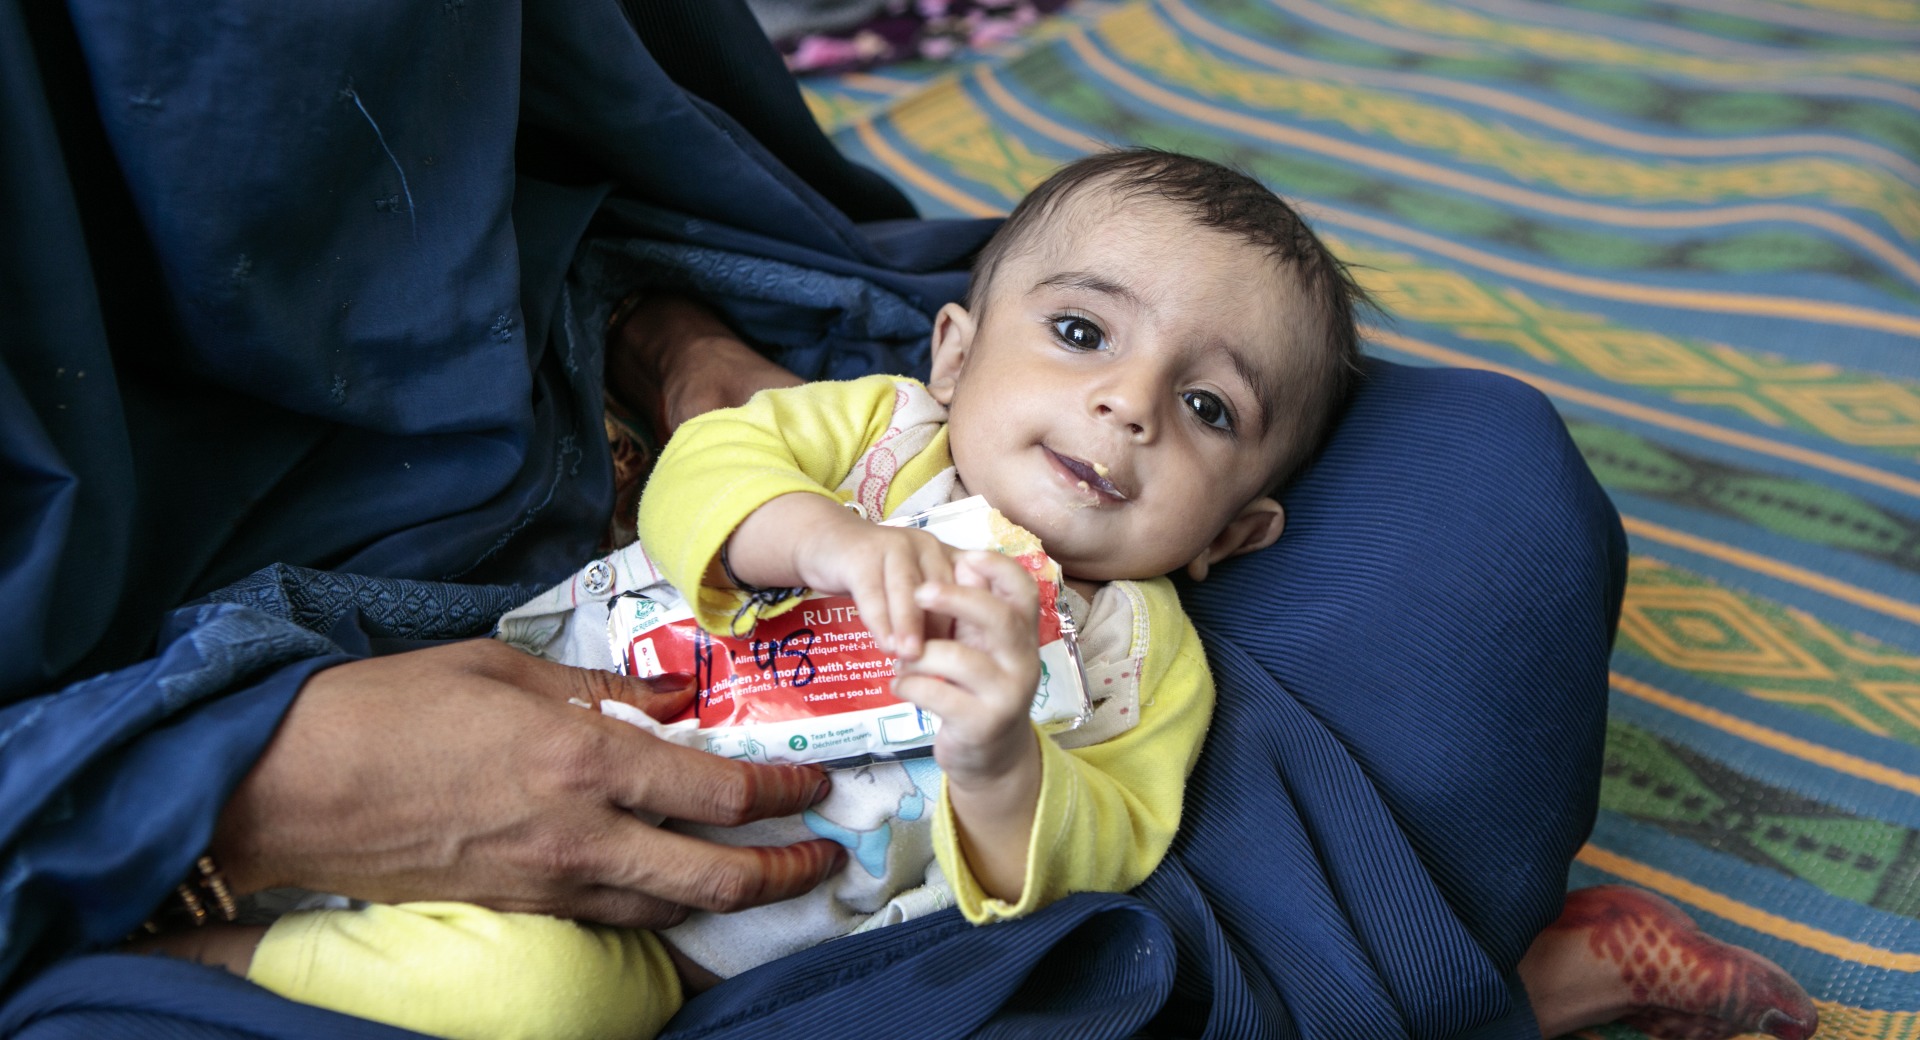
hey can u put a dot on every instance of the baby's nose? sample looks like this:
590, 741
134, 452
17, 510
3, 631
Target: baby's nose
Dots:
1120, 413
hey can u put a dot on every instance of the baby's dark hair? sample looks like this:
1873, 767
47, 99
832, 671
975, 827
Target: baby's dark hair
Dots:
1224, 199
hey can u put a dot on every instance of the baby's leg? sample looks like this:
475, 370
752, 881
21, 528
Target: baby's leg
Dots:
1619, 953
453, 970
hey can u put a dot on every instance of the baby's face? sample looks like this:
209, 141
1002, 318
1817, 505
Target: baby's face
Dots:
1122, 393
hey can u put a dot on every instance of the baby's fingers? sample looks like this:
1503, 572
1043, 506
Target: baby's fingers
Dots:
1001, 575
904, 614
869, 592
973, 671
919, 559
934, 695
985, 696
984, 619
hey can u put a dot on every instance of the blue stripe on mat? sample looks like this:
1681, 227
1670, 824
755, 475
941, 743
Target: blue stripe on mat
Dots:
1894, 798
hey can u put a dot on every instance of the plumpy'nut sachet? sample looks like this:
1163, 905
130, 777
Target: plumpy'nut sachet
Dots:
812, 686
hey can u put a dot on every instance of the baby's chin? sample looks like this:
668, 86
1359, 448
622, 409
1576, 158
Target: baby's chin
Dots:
1082, 552
1097, 565
1114, 570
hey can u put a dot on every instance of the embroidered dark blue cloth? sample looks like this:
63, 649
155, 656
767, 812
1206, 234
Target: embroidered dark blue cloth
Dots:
290, 286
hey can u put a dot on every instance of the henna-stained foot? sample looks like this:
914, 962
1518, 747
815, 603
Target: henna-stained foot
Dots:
1680, 983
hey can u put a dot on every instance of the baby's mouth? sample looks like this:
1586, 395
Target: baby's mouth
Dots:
1091, 475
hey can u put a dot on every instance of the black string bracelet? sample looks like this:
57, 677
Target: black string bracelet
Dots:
757, 596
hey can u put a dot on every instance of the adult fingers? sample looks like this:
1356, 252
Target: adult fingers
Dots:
646, 774
704, 875
622, 908
662, 696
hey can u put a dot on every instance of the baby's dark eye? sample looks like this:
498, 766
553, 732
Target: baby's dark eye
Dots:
1079, 333
1208, 409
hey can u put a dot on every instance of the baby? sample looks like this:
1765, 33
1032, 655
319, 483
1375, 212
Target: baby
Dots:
1151, 346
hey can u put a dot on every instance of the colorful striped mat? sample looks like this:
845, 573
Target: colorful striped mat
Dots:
1693, 224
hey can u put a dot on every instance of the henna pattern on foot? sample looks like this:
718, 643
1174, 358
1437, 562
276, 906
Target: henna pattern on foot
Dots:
1683, 983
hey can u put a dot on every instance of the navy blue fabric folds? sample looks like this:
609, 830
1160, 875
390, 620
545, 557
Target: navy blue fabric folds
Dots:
1412, 709
317, 290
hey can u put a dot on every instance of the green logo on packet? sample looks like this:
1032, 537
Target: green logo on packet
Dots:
797, 742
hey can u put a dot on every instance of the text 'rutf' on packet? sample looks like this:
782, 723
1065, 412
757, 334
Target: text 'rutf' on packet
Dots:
812, 686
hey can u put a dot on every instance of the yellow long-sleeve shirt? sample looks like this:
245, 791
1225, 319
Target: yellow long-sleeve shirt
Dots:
1107, 811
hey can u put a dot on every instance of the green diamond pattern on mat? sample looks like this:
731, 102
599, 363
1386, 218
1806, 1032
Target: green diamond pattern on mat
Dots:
1665, 785
1772, 652
1797, 508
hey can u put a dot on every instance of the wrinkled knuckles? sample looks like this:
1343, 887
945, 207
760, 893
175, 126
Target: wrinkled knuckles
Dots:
623, 909
591, 686
558, 856
726, 885
659, 917
574, 761
731, 793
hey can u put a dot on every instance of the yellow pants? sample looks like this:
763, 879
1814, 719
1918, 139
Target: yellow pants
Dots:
469, 973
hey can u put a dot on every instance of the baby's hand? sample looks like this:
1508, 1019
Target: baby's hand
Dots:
880, 567
980, 682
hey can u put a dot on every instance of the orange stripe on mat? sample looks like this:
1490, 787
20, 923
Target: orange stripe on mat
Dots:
1805, 750
920, 178
1773, 568
1708, 431
1394, 162
1586, 285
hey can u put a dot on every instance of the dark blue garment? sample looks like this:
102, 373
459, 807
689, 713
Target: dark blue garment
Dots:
289, 286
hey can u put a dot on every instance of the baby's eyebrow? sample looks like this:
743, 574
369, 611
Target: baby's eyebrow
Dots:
1088, 281
1266, 390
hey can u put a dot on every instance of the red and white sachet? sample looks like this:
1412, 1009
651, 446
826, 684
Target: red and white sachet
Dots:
811, 686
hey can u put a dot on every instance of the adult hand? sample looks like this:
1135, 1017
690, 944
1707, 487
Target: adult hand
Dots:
672, 359
461, 772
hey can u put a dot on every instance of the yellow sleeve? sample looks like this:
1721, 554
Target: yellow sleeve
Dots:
1107, 812
468, 973
723, 465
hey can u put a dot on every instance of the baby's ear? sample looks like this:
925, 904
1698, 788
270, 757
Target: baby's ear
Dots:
953, 330
1257, 526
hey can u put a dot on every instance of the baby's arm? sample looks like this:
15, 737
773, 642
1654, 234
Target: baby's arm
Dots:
1106, 813
758, 480
981, 684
